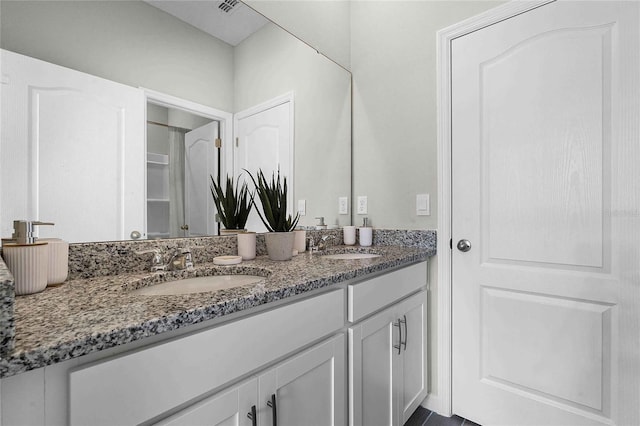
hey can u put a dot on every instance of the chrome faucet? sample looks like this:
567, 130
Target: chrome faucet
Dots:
179, 260
157, 261
321, 245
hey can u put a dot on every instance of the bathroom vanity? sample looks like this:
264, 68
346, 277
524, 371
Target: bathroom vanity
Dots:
319, 341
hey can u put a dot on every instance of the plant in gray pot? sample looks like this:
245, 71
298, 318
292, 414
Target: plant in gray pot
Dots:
233, 204
273, 197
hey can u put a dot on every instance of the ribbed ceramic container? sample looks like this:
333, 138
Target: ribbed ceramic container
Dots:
279, 245
28, 265
58, 260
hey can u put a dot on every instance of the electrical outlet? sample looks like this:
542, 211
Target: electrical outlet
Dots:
302, 207
343, 205
422, 205
362, 204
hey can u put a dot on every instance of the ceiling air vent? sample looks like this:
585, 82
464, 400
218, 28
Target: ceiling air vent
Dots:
228, 6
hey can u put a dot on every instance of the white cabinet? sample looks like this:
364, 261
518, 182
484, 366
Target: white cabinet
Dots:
145, 384
229, 408
292, 355
307, 389
387, 363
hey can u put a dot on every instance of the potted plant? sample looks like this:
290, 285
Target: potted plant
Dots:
233, 203
273, 197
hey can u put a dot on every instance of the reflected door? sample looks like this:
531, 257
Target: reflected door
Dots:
201, 161
72, 152
546, 189
264, 140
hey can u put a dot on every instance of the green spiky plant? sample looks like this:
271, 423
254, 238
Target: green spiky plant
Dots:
233, 203
273, 197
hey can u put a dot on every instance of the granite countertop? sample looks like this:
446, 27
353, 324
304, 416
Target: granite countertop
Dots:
88, 315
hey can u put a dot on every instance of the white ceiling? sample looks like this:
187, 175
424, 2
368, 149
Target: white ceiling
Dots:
208, 15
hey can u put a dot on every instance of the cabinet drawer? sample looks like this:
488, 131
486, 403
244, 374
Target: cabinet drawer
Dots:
374, 294
138, 386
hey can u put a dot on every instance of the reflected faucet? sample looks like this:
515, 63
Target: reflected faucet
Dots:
322, 244
179, 260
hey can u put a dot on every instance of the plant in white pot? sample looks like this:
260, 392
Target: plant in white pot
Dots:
232, 203
273, 197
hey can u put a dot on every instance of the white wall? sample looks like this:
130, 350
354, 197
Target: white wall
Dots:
324, 24
393, 60
125, 41
322, 114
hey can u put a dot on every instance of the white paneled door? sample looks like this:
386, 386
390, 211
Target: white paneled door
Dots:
201, 161
546, 223
72, 152
264, 140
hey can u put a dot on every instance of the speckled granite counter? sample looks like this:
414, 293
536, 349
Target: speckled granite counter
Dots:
86, 315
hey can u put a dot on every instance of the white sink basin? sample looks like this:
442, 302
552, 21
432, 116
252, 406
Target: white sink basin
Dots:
351, 256
198, 285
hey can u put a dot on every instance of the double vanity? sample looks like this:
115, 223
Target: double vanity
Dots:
334, 337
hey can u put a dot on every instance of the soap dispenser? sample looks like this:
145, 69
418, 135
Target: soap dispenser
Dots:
366, 233
26, 257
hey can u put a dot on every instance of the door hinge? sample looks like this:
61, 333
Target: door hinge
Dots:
218, 143
237, 142
451, 243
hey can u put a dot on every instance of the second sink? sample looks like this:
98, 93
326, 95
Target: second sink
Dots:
198, 285
350, 256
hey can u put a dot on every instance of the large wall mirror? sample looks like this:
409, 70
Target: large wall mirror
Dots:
190, 51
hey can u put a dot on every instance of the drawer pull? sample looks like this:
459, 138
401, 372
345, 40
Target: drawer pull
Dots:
252, 415
399, 345
272, 405
406, 332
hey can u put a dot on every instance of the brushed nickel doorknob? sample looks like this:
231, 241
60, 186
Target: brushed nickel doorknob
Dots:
464, 245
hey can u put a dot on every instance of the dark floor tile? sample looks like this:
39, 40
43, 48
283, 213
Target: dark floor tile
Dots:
438, 420
469, 423
419, 417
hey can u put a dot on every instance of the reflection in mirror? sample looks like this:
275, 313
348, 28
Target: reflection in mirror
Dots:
171, 195
138, 45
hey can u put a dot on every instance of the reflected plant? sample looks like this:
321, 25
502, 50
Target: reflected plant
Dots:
273, 197
234, 203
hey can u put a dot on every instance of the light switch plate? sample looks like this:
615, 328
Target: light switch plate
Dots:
422, 205
362, 204
302, 207
343, 205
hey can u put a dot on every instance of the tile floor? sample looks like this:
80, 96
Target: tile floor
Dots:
424, 417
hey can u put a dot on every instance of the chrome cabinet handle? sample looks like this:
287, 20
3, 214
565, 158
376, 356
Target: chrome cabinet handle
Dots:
464, 245
399, 345
253, 416
406, 332
274, 411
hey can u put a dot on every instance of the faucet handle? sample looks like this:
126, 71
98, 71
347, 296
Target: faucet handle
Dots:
157, 262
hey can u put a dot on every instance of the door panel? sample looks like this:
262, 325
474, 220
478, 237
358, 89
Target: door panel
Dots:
201, 161
48, 111
544, 142
264, 140
309, 388
414, 375
374, 365
225, 409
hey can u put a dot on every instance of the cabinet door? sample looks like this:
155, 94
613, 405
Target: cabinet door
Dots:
308, 389
412, 384
373, 366
229, 408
